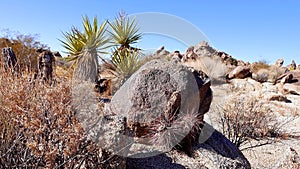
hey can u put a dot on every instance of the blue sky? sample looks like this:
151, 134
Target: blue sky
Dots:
248, 30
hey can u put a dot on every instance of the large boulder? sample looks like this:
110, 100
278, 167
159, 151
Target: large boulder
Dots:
164, 104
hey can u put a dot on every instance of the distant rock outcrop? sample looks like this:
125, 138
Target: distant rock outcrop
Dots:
203, 49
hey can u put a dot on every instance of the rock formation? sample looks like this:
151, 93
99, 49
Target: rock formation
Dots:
46, 60
9, 59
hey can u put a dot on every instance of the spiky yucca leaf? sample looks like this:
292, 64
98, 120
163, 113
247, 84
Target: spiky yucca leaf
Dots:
94, 36
124, 31
126, 62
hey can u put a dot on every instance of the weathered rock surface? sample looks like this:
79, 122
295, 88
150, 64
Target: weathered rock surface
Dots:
247, 84
290, 82
9, 59
276, 97
176, 56
239, 72
216, 152
189, 54
279, 62
290, 159
285, 78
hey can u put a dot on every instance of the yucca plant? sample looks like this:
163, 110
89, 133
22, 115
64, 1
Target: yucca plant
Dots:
124, 32
84, 48
125, 59
125, 63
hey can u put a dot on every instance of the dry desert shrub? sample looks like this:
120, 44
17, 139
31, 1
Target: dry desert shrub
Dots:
262, 72
39, 129
244, 117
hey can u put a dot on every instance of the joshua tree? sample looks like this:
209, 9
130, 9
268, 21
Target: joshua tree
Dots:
84, 48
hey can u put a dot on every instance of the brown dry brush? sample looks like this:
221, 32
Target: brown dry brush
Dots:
39, 129
245, 117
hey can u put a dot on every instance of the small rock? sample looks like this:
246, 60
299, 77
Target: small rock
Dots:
279, 62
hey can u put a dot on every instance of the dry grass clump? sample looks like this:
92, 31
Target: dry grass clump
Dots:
245, 117
39, 129
256, 66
